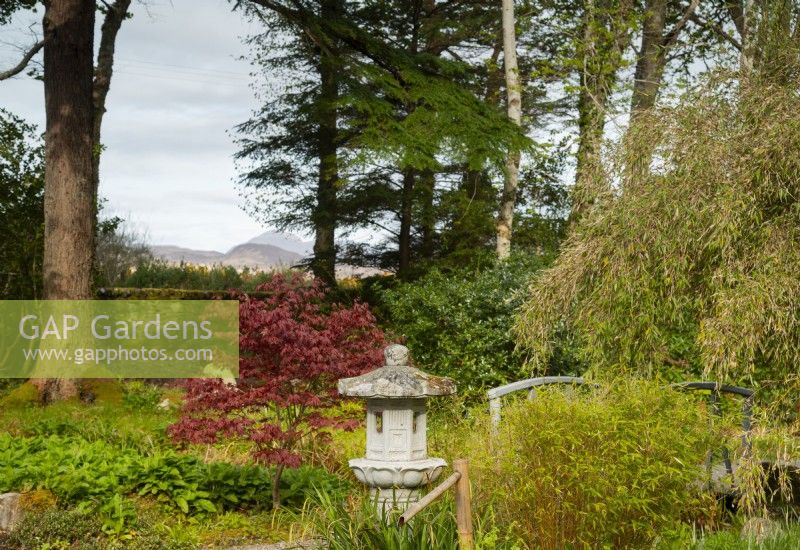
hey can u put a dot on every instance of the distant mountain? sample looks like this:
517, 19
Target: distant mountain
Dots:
292, 243
177, 254
261, 256
267, 251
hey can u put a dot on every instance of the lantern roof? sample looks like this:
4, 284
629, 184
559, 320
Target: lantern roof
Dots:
396, 379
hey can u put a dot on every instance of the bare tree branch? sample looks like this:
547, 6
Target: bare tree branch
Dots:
672, 35
115, 14
736, 12
717, 29
24, 62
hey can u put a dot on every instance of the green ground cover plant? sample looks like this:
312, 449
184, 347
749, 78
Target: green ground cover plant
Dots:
96, 475
111, 461
787, 537
358, 526
355, 524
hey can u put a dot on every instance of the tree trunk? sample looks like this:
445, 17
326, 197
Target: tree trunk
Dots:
276, 486
743, 16
115, 14
651, 59
404, 241
514, 99
69, 190
652, 55
427, 183
591, 124
325, 213
605, 32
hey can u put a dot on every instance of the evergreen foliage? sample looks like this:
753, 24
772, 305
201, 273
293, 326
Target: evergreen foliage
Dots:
420, 136
21, 208
458, 323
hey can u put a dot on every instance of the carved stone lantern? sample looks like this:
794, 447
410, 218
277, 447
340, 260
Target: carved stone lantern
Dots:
396, 465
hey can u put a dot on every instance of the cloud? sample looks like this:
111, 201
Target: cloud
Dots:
179, 88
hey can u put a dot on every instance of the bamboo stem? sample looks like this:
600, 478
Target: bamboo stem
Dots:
417, 507
463, 505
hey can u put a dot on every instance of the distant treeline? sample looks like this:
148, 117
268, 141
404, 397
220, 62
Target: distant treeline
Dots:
158, 274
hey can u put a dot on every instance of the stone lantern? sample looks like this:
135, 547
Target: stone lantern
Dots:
396, 465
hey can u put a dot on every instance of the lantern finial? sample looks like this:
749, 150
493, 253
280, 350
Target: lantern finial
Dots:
396, 355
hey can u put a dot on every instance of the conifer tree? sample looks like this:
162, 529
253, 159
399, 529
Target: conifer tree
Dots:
407, 110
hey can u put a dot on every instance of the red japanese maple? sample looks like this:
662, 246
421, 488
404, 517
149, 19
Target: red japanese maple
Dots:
294, 346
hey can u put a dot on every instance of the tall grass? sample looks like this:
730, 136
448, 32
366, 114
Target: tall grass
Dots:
618, 467
356, 525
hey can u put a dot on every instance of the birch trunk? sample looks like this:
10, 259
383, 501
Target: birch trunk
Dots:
514, 99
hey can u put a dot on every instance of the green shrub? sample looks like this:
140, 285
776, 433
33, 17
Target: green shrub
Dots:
20, 396
616, 467
137, 395
7, 385
459, 324
102, 390
21, 208
59, 529
160, 274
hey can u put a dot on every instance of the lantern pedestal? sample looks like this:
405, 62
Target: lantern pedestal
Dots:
396, 464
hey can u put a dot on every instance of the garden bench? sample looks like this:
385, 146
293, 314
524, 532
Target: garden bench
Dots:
722, 479
716, 391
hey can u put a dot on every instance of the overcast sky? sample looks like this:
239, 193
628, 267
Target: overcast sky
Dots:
179, 87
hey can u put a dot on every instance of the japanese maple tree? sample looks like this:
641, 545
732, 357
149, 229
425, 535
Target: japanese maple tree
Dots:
294, 346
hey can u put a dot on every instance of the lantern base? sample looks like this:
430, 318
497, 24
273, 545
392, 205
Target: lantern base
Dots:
397, 500
396, 484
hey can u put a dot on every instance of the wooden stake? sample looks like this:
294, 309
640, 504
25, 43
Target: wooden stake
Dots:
463, 506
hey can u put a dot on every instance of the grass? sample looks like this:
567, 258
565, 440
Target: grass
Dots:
787, 537
108, 419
